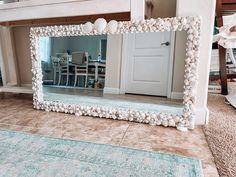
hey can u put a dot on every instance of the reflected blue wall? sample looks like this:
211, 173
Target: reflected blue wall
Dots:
90, 44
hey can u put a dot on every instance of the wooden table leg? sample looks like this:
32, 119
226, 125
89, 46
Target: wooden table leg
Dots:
223, 72
2, 95
96, 73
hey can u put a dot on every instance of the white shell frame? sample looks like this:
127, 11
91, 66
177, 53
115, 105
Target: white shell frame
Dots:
183, 122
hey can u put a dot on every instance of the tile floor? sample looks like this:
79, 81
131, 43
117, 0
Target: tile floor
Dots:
17, 114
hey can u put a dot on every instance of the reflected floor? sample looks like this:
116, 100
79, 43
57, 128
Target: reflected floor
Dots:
95, 97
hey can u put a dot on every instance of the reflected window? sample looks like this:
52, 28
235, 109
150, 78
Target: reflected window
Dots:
103, 49
45, 49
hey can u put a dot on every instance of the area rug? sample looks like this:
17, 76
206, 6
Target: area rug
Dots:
221, 135
27, 155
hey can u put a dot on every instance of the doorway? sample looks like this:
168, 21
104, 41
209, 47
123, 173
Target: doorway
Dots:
147, 64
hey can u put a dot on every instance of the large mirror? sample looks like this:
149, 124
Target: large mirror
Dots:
129, 76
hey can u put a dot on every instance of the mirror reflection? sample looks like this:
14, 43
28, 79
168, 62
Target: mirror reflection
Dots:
133, 71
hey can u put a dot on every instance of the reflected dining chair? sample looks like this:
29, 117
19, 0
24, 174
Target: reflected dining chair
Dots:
80, 60
56, 69
64, 69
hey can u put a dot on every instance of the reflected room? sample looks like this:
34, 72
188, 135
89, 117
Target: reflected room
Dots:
142, 71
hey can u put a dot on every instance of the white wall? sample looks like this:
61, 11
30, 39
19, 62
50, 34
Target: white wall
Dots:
113, 63
205, 9
88, 44
59, 45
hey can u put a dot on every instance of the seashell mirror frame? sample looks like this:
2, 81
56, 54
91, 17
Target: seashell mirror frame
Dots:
182, 122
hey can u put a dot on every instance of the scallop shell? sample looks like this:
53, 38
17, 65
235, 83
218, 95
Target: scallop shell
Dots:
88, 27
100, 25
112, 26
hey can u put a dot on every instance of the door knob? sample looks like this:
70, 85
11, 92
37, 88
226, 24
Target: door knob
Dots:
166, 43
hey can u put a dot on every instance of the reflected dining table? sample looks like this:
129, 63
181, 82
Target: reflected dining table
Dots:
95, 64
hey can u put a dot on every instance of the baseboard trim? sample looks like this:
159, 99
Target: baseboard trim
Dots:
26, 85
109, 90
12, 89
202, 116
10, 84
177, 95
202, 113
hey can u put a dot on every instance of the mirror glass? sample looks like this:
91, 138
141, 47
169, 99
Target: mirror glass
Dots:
141, 71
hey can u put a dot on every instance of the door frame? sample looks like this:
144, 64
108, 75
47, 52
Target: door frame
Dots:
124, 68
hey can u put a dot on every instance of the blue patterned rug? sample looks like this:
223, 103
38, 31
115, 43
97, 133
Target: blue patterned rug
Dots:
27, 155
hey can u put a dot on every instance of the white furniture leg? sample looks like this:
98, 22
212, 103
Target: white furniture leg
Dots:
75, 81
67, 78
86, 80
59, 79
96, 72
55, 76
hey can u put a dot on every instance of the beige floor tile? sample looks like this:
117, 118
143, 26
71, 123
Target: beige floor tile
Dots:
92, 129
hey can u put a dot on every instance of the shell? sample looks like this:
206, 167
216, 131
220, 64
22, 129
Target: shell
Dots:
100, 25
112, 26
182, 128
88, 27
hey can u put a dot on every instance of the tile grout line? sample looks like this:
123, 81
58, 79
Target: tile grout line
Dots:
123, 136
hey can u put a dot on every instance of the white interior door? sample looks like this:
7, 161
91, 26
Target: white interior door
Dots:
147, 65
